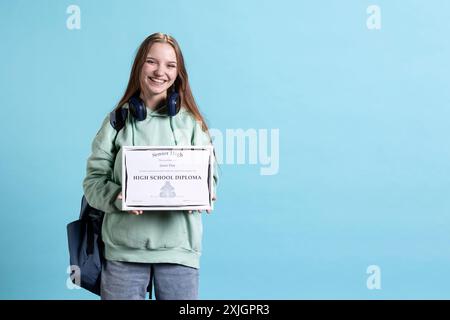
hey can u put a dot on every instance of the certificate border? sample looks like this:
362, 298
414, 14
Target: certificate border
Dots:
126, 207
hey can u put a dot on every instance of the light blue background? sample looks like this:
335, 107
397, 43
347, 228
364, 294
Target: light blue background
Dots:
364, 150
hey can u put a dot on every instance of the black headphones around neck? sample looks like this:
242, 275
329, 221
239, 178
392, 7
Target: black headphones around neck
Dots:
139, 111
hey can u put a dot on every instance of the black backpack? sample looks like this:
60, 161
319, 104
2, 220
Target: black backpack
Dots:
86, 248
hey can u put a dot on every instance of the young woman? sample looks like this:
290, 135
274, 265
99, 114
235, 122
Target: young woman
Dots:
145, 247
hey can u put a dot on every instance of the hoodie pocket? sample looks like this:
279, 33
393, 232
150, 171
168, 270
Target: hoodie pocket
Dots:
152, 230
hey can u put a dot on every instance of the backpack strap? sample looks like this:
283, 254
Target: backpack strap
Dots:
118, 117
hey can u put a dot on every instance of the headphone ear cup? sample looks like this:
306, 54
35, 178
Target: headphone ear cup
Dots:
172, 103
137, 108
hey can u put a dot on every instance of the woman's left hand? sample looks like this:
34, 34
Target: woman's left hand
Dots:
200, 211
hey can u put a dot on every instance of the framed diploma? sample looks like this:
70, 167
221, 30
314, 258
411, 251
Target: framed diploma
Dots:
167, 178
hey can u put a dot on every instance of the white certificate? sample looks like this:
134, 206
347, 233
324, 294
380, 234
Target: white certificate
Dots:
167, 178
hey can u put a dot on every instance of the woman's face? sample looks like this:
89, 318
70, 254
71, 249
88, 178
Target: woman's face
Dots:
159, 70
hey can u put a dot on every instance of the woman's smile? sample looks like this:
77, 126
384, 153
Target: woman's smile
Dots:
157, 81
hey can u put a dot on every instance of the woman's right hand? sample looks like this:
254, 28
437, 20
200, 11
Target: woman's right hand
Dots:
136, 212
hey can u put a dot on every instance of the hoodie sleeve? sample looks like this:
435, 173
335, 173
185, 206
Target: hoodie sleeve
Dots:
99, 190
201, 138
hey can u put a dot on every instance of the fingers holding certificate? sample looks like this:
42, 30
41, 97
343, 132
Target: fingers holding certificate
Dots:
167, 178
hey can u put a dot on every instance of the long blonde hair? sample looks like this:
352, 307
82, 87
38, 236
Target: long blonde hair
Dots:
181, 83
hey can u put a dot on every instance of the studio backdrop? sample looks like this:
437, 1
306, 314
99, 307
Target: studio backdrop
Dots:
330, 121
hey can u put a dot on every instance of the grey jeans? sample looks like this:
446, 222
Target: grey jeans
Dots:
130, 280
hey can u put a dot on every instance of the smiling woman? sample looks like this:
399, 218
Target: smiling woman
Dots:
159, 68
158, 74
142, 247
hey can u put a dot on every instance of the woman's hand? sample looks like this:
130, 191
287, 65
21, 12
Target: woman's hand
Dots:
136, 212
200, 211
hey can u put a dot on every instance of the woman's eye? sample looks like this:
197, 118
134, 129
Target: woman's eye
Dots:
150, 61
171, 66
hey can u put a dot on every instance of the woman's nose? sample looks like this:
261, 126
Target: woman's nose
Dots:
158, 71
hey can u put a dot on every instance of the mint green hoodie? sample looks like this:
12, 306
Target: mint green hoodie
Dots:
155, 236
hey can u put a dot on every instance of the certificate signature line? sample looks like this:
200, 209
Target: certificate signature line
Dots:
168, 171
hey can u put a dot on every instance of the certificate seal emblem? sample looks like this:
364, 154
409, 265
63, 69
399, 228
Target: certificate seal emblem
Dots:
167, 191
